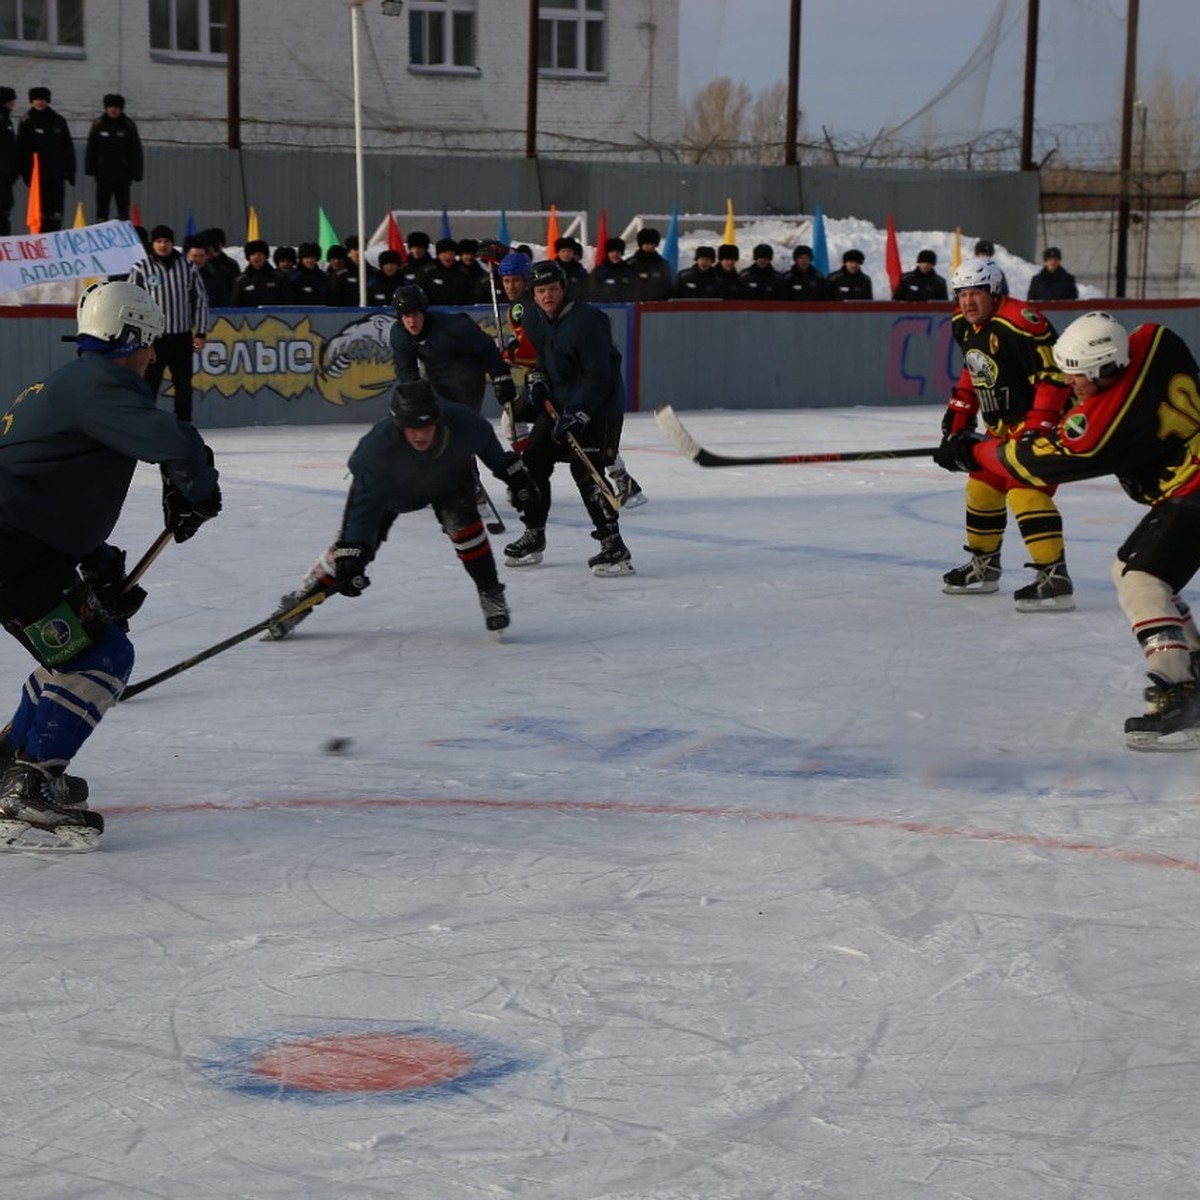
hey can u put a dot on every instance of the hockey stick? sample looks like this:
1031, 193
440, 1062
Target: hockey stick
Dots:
687, 445
143, 564
296, 610
581, 454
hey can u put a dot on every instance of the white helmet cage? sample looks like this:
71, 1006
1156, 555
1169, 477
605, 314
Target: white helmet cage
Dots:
981, 273
121, 314
1094, 345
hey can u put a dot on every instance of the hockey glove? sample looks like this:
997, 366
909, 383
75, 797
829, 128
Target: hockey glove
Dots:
350, 561
570, 424
957, 453
505, 390
104, 572
958, 418
539, 389
523, 491
1036, 426
183, 516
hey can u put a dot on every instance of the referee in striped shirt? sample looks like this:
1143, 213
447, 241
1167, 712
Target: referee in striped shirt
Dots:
172, 280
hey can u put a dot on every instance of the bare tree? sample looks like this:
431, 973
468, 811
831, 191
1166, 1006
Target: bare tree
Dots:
714, 123
766, 128
1172, 124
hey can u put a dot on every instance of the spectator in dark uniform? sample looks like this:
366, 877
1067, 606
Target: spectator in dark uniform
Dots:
419, 259
803, 282
923, 284
310, 285
760, 280
44, 132
10, 166
215, 284
479, 287
445, 283
284, 259
113, 157
612, 280
336, 266
699, 282
567, 253
851, 282
650, 273
216, 242
385, 281
1053, 281
729, 286
260, 285
346, 293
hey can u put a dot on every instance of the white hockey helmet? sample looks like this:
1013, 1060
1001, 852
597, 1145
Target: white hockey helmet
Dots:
119, 314
1094, 345
983, 273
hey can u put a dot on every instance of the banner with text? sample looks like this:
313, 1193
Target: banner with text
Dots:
68, 255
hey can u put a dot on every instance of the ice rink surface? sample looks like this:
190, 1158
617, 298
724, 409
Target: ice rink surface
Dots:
768, 872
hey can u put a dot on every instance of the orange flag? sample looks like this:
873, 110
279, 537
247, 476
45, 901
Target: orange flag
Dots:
552, 231
80, 217
395, 239
601, 238
33, 211
892, 255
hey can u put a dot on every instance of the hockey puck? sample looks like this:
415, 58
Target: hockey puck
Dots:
338, 745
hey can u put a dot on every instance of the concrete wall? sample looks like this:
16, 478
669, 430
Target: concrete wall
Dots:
316, 366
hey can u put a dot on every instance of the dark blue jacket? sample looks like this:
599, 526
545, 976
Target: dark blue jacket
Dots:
577, 353
456, 353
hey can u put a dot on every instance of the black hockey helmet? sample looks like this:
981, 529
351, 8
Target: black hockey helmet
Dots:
410, 299
546, 271
415, 405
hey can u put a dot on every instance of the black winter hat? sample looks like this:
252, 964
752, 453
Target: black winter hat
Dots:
1051, 252
7, 94
614, 244
390, 256
706, 252
257, 246
308, 250
337, 250
39, 93
728, 250
762, 250
114, 100
283, 254
799, 250
927, 256
983, 246
446, 244
854, 256
564, 243
417, 238
648, 237
351, 243
162, 231
468, 246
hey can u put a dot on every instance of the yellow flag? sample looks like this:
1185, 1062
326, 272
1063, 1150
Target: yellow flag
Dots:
80, 218
956, 256
252, 226
730, 235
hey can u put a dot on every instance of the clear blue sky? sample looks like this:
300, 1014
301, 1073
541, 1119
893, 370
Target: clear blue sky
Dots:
869, 64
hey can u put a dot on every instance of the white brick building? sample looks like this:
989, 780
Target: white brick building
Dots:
443, 76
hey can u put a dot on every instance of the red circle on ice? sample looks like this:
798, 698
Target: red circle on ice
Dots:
363, 1062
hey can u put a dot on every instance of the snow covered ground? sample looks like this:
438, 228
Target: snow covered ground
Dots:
770, 871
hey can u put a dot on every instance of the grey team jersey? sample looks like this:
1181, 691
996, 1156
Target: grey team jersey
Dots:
69, 446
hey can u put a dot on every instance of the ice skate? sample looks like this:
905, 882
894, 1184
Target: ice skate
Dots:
495, 609
1051, 591
66, 791
627, 489
1171, 720
30, 820
980, 576
278, 630
613, 559
527, 550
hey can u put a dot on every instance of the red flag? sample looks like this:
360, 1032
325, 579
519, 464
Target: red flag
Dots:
552, 231
395, 239
894, 269
135, 214
33, 210
601, 238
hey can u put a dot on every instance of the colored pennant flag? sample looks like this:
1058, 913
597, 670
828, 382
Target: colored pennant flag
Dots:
80, 216
956, 253
552, 231
670, 247
819, 246
190, 229
252, 226
33, 210
892, 255
729, 237
601, 238
502, 232
446, 225
135, 214
395, 239
326, 236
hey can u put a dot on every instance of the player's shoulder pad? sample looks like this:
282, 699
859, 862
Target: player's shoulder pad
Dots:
1022, 316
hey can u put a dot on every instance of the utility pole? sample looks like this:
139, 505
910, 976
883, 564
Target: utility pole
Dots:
1123, 205
793, 86
233, 76
1031, 46
531, 83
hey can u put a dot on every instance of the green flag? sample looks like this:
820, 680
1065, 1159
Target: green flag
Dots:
326, 236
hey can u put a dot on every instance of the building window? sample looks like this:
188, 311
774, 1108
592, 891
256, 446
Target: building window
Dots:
441, 33
190, 27
571, 36
43, 22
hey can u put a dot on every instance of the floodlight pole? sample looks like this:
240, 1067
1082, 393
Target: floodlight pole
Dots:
1123, 205
355, 16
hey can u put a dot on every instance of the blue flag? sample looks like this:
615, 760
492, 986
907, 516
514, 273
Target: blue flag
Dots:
446, 225
191, 228
670, 247
820, 249
502, 233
